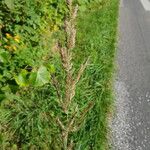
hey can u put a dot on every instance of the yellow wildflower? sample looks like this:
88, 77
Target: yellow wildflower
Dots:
14, 48
17, 38
8, 35
55, 28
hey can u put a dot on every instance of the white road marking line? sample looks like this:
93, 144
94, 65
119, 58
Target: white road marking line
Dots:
121, 3
146, 4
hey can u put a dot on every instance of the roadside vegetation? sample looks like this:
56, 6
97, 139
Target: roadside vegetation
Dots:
56, 72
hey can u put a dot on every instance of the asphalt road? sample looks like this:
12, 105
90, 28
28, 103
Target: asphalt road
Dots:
131, 124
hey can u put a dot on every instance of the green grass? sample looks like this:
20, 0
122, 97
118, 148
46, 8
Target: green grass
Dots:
28, 121
97, 34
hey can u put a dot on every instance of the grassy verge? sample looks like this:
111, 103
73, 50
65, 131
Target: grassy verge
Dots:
97, 32
30, 119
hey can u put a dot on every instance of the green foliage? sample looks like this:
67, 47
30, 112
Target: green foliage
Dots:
40, 77
36, 78
21, 79
25, 30
88, 4
29, 103
28, 121
98, 40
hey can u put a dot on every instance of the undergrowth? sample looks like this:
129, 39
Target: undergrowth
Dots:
43, 117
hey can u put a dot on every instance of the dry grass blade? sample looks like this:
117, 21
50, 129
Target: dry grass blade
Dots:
72, 120
82, 117
69, 3
70, 147
71, 85
56, 85
66, 58
75, 11
84, 112
80, 72
61, 124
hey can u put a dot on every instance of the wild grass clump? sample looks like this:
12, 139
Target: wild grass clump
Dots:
27, 122
72, 117
96, 37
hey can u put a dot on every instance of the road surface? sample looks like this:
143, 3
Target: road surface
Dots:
131, 124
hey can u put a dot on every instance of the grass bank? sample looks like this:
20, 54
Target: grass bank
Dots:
97, 34
30, 118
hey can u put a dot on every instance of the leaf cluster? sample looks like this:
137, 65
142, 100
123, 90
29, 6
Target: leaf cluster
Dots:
26, 29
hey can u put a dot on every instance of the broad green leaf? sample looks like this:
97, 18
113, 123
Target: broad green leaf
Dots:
43, 76
32, 78
21, 79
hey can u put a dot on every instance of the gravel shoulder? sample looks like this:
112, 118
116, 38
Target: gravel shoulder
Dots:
131, 122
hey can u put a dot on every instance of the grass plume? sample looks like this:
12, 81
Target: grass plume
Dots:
67, 101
